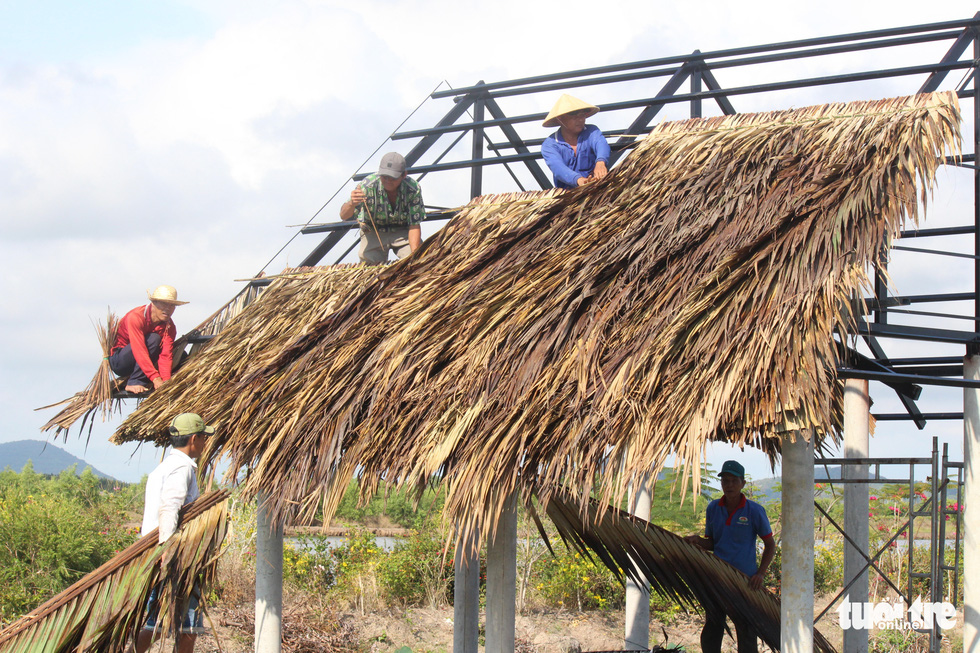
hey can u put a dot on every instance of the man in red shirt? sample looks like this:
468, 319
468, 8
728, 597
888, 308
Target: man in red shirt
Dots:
143, 351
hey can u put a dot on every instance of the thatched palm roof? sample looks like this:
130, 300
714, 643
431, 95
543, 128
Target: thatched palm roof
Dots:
540, 340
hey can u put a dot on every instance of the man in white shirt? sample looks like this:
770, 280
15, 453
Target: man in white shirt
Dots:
169, 487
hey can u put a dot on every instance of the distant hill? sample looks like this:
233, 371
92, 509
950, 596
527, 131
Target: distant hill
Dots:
47, 458
768, 490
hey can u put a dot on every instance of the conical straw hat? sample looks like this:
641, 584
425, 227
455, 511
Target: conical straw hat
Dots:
567, 104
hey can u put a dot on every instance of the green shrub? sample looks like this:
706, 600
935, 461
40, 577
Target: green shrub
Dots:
53, 532
354, 564
828, 565
418, 571
569, 580
310, 564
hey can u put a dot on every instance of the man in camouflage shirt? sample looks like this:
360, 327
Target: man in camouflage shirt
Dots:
389, 208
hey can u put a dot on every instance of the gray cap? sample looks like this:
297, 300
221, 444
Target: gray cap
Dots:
392, 165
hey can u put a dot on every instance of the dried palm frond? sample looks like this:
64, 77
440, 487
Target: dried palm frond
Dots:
676, 570
537, 341
107, 607
98, 396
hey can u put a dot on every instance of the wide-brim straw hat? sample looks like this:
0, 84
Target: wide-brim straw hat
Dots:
165, 294
567, 104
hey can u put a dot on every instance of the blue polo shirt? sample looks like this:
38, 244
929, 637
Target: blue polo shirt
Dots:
734, 533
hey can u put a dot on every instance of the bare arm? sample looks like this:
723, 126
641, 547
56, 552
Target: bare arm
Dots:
705, 543
415, 237
347, 208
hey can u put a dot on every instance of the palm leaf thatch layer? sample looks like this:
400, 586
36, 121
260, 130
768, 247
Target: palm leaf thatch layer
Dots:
676, 570
691, 294
296, 300
106, 608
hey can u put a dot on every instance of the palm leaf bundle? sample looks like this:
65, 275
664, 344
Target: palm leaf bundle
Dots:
98, 396
107, 607
538, 341
676, 570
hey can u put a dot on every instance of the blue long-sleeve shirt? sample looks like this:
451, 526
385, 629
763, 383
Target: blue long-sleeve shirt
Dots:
568, 165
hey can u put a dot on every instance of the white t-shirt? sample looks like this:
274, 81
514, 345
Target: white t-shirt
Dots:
168, 487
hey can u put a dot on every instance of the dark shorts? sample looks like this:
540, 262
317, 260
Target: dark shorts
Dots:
193, 622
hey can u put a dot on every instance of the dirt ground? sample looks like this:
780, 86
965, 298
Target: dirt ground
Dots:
428, 630
431, 630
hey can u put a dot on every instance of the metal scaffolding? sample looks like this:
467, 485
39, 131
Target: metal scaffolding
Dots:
943, 478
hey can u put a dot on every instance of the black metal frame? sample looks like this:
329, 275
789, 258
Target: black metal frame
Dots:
698, 70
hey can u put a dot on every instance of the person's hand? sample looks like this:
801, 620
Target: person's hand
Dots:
695, 540
756, 582
157, 382
357, 196
600, 170
582, 181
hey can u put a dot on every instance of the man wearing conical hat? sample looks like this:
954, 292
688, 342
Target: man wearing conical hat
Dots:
577, 153
143, 351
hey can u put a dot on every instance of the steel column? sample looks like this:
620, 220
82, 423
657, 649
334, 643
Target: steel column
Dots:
476, 172
515, 139
857, 413
971, 502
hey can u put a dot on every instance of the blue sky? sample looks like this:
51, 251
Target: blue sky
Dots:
145, 142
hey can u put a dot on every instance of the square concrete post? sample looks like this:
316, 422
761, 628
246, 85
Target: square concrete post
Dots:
502, 581
268, 580
637, 627
796, 601
466, 595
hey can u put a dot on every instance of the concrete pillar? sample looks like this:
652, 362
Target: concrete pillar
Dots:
796, 602
502, 581
971, 512
857, 411
637, 630
268, 580
466, 595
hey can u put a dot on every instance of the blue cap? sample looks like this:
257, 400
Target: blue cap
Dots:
734, 468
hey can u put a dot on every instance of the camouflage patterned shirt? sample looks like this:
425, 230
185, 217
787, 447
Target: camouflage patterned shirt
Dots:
408, 209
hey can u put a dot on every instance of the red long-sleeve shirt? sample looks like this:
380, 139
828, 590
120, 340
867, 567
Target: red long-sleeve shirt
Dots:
133, 329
